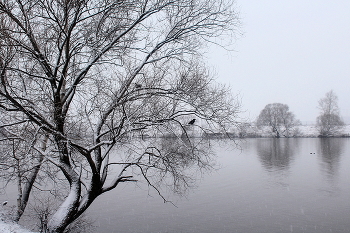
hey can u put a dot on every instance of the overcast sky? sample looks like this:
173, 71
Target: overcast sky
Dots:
291, 52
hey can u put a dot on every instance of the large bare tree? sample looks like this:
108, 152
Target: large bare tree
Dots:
96, 77
329, 121
278, 118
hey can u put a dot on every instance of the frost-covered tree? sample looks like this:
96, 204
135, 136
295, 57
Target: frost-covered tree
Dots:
278, 118
95, 77
329, 121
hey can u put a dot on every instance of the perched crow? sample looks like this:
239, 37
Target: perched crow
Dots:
192, 122
138, 86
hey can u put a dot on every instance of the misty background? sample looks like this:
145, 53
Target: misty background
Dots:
290, 52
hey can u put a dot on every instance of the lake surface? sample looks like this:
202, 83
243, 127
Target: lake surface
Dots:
265, 185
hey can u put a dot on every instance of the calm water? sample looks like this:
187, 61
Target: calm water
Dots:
268, 185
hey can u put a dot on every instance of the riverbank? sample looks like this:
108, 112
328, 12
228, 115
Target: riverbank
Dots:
252, 131
8, 226
306, 131
11, 227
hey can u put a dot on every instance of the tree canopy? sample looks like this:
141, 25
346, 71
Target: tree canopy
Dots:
278, 118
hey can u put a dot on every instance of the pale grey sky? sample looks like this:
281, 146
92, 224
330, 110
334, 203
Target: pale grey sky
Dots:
291, 52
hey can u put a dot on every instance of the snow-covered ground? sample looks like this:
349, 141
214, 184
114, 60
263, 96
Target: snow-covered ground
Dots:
8, 226
311, 131
300, 131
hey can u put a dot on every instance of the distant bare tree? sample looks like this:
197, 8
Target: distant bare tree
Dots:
278, 117
95, 76
329, 121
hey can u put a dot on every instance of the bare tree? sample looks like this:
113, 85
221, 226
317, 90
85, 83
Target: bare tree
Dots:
95, 76
329, 121
278, 118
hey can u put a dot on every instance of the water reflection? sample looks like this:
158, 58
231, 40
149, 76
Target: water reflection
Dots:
240, 197
330, 151
276, 153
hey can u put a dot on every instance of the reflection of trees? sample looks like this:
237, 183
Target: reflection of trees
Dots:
276, 153
172, 162
330, 150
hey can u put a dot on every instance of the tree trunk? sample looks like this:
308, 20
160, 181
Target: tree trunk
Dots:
277, 134
23, 194
19, 197
65, 213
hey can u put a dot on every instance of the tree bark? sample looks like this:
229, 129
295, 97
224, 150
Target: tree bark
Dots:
23, 194
65, 213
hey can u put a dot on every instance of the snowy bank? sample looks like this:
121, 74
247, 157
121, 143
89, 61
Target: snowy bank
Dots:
251, 130
11, 227
8, 226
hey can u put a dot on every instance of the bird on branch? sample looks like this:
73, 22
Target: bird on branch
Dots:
192, 122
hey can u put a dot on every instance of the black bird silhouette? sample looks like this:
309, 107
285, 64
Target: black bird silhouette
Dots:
192, 122
4, 203
138, 86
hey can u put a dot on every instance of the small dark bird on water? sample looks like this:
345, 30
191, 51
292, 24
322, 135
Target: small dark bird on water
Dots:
192, 122
4, 203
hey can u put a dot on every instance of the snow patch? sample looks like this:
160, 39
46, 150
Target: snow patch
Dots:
10, 227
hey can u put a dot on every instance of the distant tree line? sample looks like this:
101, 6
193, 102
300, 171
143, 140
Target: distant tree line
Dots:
282, 122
